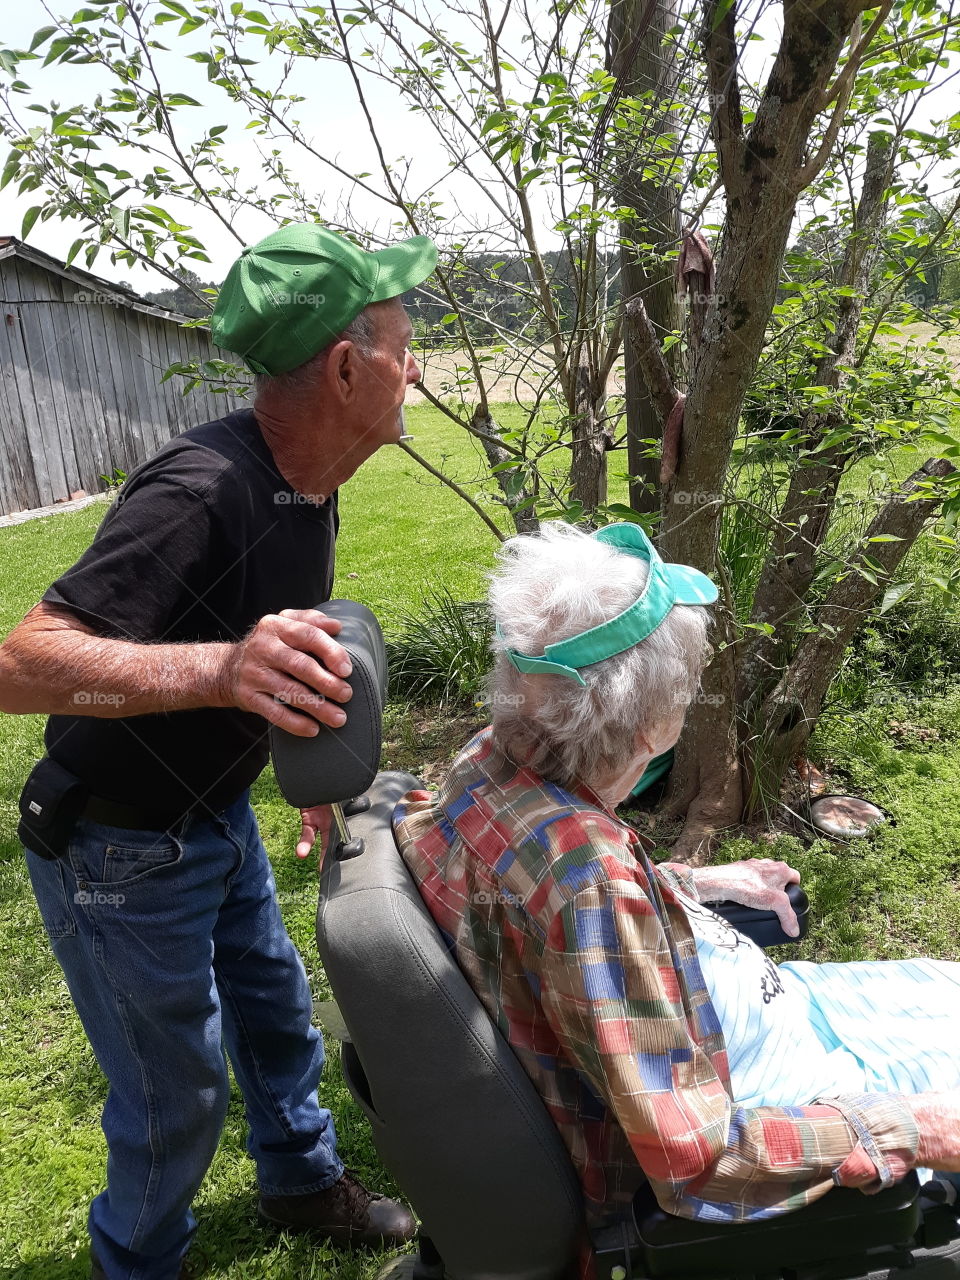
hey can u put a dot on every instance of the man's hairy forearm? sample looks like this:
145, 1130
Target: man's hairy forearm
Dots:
53, 664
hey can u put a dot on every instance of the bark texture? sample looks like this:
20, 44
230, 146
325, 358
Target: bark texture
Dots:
590, 440
635, 56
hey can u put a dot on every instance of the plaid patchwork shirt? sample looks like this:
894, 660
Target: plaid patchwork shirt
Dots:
580, 951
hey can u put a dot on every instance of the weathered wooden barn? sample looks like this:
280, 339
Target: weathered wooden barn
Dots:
81, 360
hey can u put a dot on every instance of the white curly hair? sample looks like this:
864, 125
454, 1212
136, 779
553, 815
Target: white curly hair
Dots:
548, 587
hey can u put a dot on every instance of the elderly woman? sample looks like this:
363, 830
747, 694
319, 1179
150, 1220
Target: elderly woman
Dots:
664, 1043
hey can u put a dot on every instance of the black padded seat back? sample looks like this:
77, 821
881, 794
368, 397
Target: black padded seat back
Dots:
454, 1117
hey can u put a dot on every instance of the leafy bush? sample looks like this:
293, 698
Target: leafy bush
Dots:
890, 386
441, 654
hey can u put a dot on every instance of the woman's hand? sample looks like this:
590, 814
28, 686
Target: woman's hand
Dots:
757, 882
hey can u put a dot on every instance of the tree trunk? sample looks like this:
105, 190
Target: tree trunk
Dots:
808, 506
762, 180
588, 471
636, 34
791, 711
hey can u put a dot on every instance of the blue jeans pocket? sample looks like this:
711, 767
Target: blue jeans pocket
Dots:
50, 890
103, 856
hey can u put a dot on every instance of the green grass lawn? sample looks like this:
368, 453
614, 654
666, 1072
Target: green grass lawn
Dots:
402, 536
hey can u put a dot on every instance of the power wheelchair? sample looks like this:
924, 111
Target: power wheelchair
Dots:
454, 1117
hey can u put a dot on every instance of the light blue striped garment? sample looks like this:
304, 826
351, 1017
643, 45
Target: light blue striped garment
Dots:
799, 1031
901, 1018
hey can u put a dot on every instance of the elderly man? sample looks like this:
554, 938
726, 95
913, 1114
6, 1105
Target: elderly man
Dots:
161, 656
664, 1043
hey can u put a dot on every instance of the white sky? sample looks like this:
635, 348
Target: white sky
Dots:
336, 122
331, 114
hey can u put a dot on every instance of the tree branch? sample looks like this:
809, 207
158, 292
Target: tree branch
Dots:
452, 484
656, 374
861, 43
844, 92
722, 61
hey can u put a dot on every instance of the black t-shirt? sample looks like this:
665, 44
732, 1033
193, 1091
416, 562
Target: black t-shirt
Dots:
204, 539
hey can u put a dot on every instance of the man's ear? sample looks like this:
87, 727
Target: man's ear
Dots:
340, 373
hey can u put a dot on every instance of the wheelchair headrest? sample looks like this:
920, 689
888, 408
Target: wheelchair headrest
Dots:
339, 764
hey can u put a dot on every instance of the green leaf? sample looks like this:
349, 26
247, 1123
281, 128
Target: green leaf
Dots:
885, 537
58, 49
495, 120
893, 595
41, 36
721, 11
29, 218
75, 249
181, 100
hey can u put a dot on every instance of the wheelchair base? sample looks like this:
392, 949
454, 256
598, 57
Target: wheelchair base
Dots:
844, 1236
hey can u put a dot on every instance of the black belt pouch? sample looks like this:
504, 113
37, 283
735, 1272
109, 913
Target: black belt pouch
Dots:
50, 804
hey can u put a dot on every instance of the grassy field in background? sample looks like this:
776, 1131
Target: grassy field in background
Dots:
402, 536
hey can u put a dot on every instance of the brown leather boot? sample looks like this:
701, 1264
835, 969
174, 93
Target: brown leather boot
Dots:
347, 1213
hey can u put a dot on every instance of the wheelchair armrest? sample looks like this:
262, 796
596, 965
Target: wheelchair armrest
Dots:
763, 927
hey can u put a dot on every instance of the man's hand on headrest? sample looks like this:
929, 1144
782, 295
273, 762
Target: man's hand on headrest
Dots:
757, 882
290, 660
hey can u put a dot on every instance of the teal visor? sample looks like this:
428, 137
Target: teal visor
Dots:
666, 585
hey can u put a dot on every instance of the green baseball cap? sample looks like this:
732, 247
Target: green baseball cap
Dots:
666, 585
287, 297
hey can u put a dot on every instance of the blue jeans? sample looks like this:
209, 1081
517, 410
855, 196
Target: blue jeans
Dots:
173, 948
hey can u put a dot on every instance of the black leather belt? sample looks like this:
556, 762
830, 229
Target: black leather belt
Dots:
114, 814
